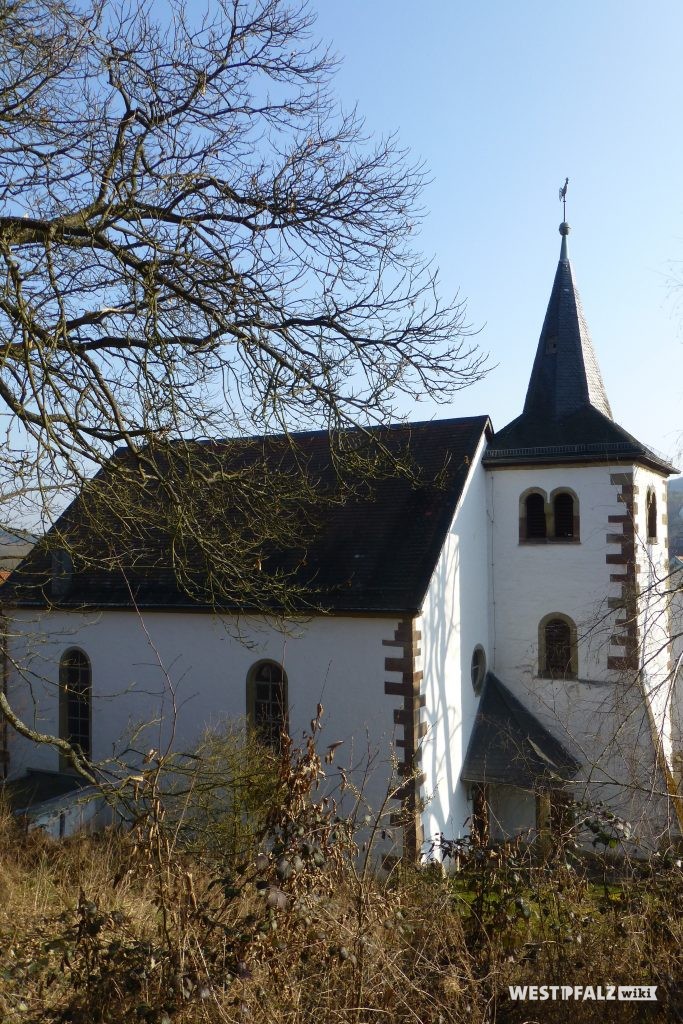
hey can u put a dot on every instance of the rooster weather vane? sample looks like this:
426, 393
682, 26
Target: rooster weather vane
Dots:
563, 197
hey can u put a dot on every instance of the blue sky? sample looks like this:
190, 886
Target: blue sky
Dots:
503, 101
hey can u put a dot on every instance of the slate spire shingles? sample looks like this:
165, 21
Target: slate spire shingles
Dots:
566, 415
566, 376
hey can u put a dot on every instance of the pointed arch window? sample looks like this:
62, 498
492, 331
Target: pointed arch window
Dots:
267, 702
557, 647
75, 700
651, 515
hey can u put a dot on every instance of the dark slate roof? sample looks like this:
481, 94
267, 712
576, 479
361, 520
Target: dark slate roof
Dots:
509, 746
38, 786
565, 377
586, 435
566, 416
373, 554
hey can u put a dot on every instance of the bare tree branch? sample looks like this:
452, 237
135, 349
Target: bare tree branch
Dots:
196, 241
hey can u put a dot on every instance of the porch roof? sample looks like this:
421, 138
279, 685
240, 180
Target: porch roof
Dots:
510, 746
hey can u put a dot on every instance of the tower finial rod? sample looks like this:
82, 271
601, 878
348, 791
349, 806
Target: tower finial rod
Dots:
563, 197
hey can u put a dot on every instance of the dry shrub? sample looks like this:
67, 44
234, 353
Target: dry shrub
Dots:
216, 801
40, 882
165, 925
558, 921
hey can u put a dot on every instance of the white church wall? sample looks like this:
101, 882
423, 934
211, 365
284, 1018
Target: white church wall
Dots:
176, 673
600, 715
533, 580
654, 612
455, 620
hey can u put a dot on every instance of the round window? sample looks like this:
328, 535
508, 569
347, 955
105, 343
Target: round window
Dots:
478, 669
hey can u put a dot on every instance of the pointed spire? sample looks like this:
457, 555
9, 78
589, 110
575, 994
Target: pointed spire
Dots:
565, 376
566, 415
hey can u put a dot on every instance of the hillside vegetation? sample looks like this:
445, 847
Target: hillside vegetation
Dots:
240, 895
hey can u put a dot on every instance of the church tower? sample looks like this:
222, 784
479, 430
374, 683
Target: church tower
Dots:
578, 558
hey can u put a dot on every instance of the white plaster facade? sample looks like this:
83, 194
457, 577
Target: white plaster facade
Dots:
163, 677
602, 715
455, 619
175, 673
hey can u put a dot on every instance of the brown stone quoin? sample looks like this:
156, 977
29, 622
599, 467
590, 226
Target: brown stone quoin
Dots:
410, 731
625, 657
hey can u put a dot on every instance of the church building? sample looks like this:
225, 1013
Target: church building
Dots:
491, 645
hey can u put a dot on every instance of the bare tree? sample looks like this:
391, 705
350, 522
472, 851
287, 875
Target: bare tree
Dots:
195, 241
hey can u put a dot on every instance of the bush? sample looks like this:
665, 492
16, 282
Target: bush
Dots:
218, 799
239, 896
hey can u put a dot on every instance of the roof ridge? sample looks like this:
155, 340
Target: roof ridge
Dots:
375, 552
322, 432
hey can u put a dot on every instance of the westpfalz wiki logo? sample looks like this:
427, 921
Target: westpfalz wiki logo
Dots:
585, 993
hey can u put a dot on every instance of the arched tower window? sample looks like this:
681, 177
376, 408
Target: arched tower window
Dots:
534, 507
543, 518
557, 647
75, 700
563, 514
651, 515
267, 701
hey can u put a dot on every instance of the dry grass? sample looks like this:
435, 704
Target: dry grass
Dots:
84, 939
166, 926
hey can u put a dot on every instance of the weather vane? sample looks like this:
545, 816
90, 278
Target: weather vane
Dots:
563, 197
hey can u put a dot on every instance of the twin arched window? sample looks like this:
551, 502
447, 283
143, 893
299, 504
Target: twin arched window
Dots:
542, 518
558, 656
267, 702
75, 700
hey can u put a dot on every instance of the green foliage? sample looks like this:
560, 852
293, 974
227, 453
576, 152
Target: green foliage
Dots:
218, 799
